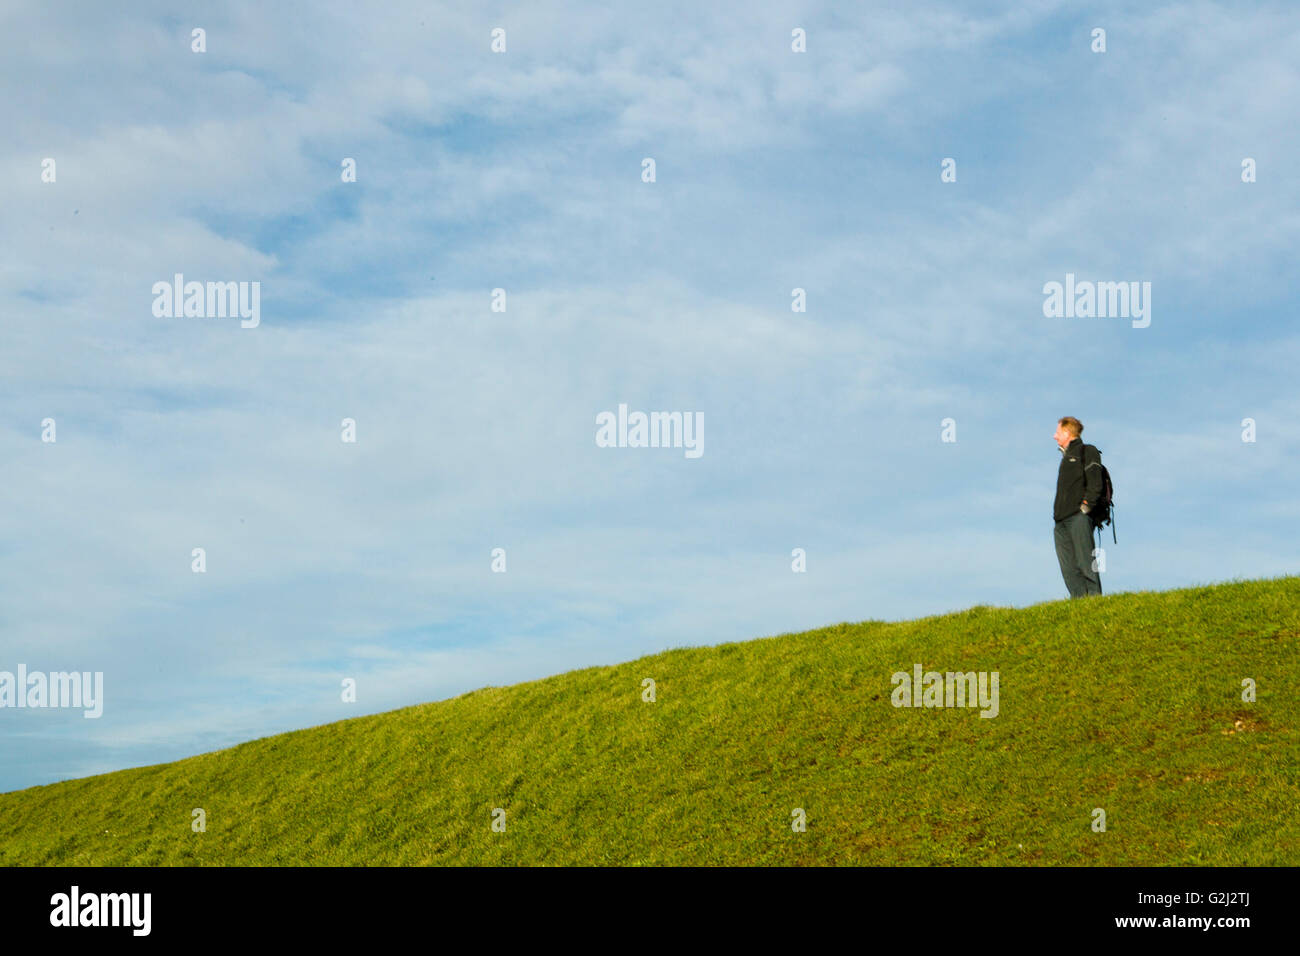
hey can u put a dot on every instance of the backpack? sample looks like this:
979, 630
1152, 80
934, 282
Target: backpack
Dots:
1102, 512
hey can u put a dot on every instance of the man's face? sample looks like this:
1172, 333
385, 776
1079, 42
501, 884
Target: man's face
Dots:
1062, 436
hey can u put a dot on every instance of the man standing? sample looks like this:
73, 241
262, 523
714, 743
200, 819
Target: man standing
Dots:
1077, 482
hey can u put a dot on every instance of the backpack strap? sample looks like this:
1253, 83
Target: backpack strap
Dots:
1110, 504
1083, 464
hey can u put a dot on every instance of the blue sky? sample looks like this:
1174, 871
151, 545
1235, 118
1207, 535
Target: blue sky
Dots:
521, 170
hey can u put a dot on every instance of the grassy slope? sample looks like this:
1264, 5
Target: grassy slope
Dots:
1130, 702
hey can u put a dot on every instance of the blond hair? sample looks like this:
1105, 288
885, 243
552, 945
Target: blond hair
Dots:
1072, 425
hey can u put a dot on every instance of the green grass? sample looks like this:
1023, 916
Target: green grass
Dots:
1130, 702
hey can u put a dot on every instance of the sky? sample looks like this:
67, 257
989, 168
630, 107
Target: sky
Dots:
500, 155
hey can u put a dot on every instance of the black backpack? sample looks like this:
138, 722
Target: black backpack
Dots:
1102, 512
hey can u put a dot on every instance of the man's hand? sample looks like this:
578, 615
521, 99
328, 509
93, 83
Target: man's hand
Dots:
1084, 507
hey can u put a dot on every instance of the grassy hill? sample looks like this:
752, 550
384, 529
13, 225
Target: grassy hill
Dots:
1130, 703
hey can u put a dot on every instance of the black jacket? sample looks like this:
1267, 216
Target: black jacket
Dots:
1072, 487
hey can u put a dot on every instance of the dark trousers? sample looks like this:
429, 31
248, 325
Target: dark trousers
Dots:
1074, 551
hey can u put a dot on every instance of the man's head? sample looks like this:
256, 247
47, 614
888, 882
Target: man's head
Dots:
1067, 430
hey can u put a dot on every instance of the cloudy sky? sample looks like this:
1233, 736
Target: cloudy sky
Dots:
524, 170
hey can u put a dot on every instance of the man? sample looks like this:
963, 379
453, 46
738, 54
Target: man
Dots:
1077, 482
